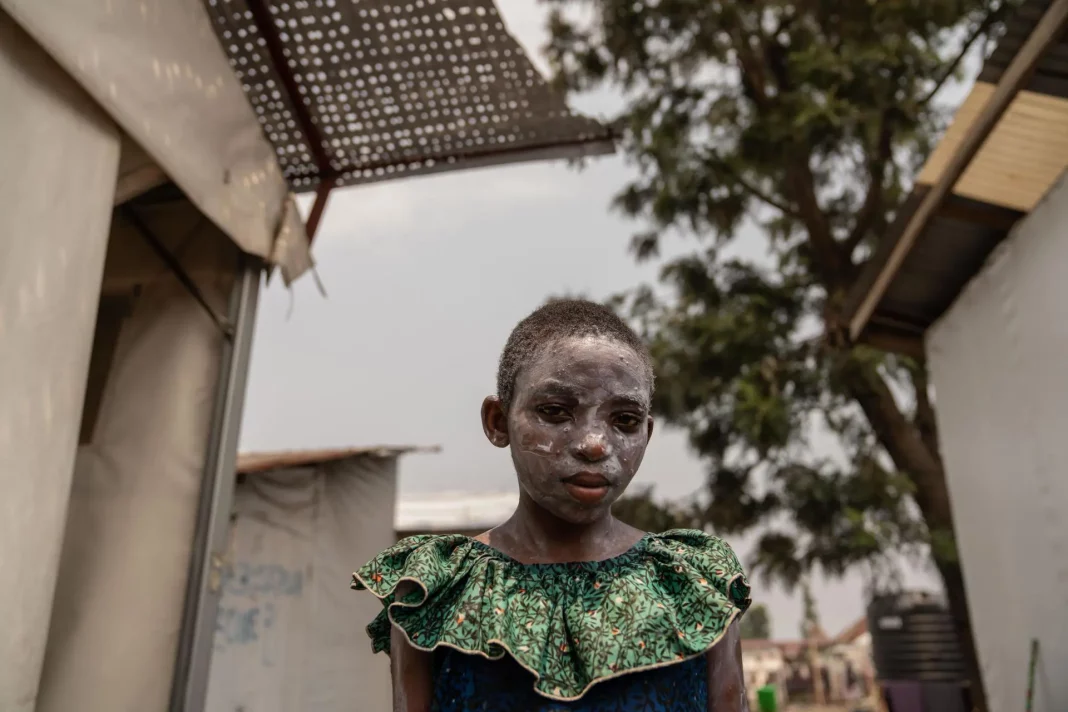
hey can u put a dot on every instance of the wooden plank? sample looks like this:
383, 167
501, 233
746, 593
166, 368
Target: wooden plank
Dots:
1023, 157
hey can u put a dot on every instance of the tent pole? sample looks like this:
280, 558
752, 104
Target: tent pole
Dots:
211, 537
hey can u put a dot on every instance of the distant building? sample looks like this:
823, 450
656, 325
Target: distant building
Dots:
765, 663
302, 521
452, 513
844, 664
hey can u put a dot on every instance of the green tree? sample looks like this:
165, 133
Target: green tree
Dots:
812, 634
756, 623
810, 616
643, 512
806, 119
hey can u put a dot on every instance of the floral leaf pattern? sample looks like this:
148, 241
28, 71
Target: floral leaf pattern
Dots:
669, 599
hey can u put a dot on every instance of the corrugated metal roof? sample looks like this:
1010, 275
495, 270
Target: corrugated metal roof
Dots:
1015, 168
955, 246
394, 88
1051, 74
248, 463
952, 249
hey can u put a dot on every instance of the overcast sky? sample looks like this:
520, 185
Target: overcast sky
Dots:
425, 279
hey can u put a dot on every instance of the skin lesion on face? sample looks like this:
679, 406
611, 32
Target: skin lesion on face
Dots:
578, 426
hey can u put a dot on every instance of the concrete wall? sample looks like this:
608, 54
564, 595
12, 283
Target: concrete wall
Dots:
999, 361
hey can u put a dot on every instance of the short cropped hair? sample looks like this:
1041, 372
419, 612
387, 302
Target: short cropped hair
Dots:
561, 319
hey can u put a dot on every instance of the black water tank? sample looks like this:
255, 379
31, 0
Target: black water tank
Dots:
912, 638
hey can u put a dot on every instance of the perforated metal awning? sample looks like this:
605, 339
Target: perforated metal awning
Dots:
358, 91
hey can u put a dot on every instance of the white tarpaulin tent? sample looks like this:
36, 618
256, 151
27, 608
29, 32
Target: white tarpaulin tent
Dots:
150, 149
290, 634
138, 470
67, 163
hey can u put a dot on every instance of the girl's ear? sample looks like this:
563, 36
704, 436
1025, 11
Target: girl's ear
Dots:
495, 421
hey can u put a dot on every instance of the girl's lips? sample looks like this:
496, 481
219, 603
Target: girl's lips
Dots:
587, 487
587, 479
586, 495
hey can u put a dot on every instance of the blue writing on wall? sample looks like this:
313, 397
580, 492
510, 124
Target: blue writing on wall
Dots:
245, 611
245, 579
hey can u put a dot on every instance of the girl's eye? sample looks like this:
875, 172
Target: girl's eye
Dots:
553, 412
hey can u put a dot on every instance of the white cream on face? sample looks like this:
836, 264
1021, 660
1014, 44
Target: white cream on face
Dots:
581, 406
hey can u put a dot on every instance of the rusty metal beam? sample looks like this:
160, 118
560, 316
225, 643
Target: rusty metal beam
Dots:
261, 16
322, 194
553, 150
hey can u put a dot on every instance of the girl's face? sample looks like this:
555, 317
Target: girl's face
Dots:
578, 426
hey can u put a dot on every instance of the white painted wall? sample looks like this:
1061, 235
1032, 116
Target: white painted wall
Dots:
999, 362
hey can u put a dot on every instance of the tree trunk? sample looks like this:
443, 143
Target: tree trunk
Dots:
819, 695
916, 454
953, 580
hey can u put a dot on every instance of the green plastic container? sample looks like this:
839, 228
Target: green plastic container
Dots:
767, 699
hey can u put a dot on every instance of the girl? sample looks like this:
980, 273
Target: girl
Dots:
563, 607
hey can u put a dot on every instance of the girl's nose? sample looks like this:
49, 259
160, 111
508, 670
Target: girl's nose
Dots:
592, 447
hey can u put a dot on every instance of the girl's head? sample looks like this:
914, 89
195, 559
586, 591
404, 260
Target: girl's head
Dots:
573, 402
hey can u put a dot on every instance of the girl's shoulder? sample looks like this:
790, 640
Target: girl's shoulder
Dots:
670, 598
429, 561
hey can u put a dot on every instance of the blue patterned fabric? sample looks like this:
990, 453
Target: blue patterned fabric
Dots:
472, 683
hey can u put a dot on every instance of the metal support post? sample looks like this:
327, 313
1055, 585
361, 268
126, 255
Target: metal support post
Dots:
211, 537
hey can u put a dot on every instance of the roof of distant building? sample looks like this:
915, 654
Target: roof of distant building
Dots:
252, 462
791, 648
851, 633
454, 511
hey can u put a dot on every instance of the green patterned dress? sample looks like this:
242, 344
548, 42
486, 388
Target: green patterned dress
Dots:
580, 636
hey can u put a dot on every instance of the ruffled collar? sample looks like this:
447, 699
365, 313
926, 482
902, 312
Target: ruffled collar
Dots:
612, 563
671, 597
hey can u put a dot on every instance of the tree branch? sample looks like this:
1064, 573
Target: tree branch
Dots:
981, 29
754, 190
870, 210
800, 183
924, 417
902, 440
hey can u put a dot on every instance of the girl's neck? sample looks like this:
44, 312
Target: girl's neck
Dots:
534, 535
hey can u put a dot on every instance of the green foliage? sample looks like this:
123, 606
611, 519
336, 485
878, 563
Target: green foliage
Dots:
643, 512
756, 623
810, 617
806, 120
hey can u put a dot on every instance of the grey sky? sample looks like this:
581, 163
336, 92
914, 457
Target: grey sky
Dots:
426, 277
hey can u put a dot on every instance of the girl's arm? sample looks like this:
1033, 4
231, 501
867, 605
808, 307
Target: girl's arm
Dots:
412, 688
412, 673
726, 681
